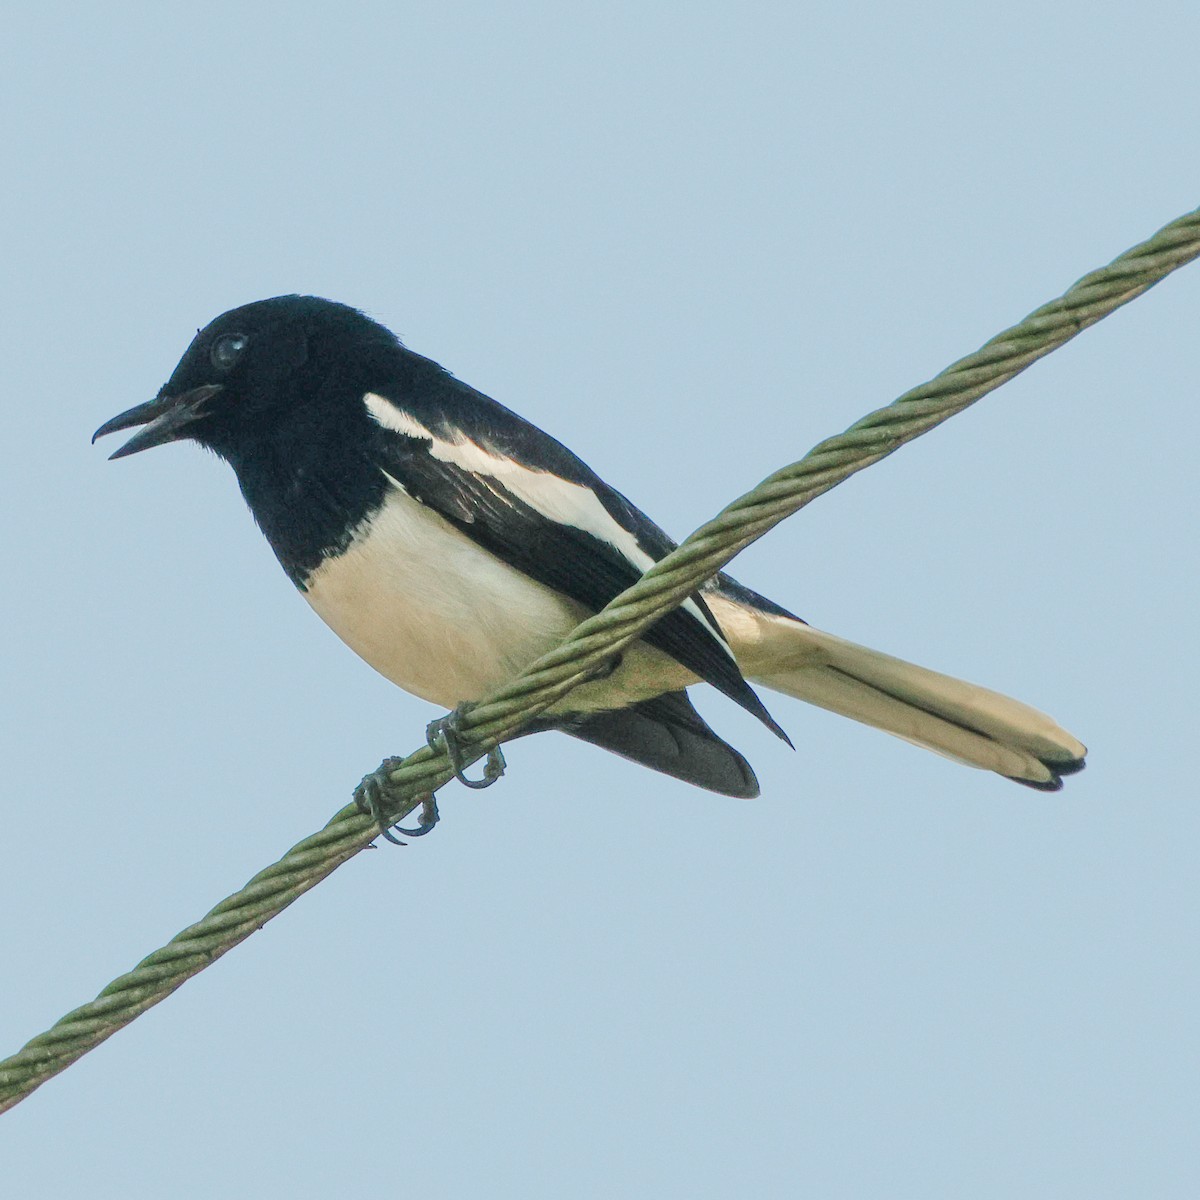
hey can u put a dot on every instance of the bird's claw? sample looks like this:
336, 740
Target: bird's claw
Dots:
444, 733
429, 818
372, 796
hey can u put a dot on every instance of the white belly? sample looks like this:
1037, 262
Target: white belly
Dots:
442, 618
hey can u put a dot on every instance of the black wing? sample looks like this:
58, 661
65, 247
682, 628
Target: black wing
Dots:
477, 458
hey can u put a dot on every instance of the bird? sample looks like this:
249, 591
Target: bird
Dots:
449, 542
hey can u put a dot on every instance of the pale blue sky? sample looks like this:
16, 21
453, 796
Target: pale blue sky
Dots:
690, 241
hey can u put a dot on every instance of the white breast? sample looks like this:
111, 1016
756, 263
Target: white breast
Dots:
444, 619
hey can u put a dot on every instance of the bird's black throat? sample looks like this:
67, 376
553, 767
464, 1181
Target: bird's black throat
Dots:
309, 489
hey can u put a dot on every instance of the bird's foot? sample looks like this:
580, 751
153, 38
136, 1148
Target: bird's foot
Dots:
445, 733
373, 795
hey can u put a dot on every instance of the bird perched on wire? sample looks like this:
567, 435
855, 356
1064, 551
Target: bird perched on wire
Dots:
449, 543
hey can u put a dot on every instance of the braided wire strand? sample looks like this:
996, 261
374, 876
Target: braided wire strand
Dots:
597, 639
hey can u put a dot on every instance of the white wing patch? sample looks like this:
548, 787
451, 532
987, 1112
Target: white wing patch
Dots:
556, 499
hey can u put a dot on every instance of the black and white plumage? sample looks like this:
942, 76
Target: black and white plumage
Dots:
449, 543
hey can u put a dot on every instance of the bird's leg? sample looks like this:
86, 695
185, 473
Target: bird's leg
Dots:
445, 732
372, 796
374, 792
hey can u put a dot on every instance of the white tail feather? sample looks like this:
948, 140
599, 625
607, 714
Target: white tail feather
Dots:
962, 721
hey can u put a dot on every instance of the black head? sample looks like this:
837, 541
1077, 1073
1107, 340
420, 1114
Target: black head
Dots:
252, 368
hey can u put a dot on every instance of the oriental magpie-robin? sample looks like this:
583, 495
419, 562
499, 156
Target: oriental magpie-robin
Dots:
449, 543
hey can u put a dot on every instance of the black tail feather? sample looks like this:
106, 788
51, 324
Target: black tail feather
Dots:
667, 734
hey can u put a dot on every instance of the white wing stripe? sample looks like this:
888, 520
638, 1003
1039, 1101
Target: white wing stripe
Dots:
556, 499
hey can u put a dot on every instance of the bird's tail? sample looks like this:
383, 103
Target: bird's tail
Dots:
959, 720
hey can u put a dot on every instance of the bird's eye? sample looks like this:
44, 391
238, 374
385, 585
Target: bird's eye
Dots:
226, 350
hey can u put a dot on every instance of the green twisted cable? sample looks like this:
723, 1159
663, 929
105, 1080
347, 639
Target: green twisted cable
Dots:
597, 639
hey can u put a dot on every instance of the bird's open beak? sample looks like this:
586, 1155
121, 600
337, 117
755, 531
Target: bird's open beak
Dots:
166, 419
